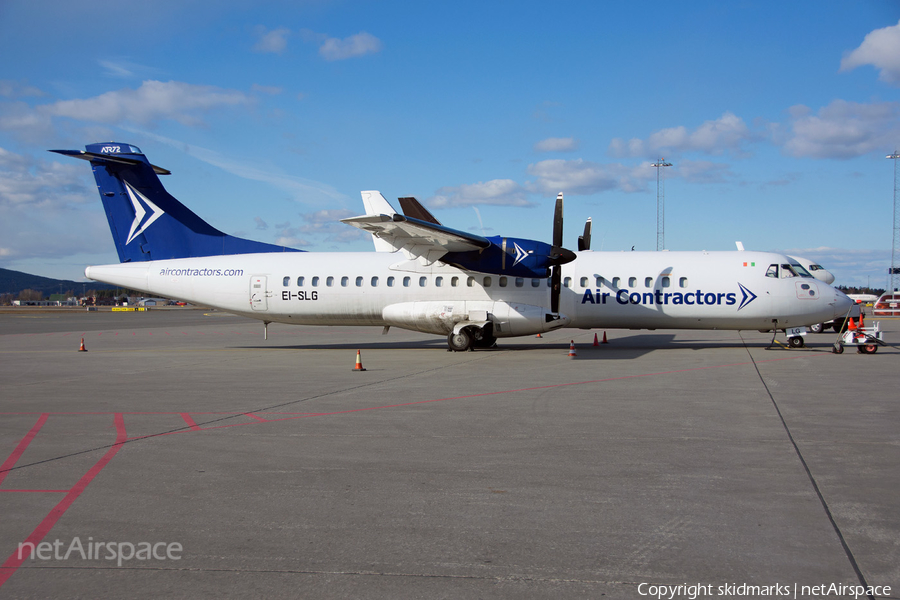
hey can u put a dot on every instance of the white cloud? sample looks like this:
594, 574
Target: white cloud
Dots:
585, 178
356, 45
501, 192
726, 134
153, 101
14, 89
843, 130
881, 49
271, 90
557, 145
260, 224
274, 41
39, 203
702, 171
303, 190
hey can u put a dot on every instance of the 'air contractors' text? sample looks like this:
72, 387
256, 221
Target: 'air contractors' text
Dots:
660, 297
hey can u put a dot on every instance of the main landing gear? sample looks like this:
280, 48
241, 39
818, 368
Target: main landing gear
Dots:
470, 338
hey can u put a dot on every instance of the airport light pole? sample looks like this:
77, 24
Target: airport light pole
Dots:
895, 245
660, 203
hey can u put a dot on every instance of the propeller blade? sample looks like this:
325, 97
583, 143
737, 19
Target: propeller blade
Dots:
555, 288
558, 221
584, 241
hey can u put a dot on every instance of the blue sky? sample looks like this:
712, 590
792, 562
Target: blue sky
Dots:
273, 116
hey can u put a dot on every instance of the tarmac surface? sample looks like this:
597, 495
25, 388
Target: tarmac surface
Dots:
235, 466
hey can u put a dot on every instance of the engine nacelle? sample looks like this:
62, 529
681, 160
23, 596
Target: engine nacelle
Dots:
516, 257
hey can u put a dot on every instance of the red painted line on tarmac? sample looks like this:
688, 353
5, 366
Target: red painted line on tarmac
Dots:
257, 418
191, 423
11, 460
14, 561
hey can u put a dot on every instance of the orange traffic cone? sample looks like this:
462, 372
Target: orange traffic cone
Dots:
538, 336
604, 338
358, 366
572, 353
82, 348
596, 343
852, 325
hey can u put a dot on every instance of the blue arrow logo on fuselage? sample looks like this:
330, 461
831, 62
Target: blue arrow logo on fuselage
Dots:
747, 298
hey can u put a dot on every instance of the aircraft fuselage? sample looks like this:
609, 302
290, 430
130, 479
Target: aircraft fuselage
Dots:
640, 290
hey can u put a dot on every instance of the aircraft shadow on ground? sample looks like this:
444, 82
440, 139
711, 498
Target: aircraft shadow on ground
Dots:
618, 348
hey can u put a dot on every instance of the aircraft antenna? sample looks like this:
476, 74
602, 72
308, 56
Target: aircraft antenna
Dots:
895, 246
661, 202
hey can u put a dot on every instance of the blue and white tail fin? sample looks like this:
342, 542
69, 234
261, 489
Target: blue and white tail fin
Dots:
147, 223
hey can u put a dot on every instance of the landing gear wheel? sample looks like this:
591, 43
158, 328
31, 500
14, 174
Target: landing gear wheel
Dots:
868, 349
817, 328
796, 342
459, 342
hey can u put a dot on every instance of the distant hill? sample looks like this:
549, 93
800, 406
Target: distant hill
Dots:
13, 282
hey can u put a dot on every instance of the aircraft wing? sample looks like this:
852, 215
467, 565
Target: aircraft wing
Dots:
418, 239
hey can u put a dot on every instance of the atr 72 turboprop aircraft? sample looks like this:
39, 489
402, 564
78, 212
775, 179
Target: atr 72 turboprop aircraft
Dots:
431, 278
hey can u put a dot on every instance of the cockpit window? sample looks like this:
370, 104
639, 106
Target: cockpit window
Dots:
800, 270
788, 271
816, 268
772, 271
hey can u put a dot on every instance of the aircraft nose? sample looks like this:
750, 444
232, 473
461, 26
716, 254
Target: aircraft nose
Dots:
842, 303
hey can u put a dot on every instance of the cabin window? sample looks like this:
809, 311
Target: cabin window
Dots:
344, 281
584, 282
665, 281
329, 282
535, 283
503, 281
406, 282
315, 281
359, 281
390, 282
286, 282
599, 281
375, 282
300, 282
567, 282
470, 281
487, 282
615, 282
682, 282
454, 281
520, 281
438, 281
632, 281
648, 282
423, 281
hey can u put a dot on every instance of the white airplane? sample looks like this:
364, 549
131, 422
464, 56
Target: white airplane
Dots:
816, 270
430, 278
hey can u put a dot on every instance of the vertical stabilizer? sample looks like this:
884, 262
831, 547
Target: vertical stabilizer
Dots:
146, 222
